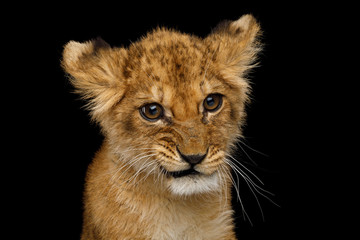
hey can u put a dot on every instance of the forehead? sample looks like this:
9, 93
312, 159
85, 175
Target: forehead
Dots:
166, 53
171, 69
168, 59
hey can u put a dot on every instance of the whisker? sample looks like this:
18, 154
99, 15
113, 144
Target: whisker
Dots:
237, 168
246, 145
139, 171
236, 186
125, 165
268, 198
256, 198
222, 172
118, 148
154, 167
136, 149
132, 180
133, 162
247, 180
222, 183
245, 168
143, 167
162, 172
247, 155
240, 171
254, 188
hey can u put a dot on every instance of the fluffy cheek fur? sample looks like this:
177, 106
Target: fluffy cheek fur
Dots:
131, 143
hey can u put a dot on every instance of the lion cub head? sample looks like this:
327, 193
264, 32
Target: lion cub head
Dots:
171, 105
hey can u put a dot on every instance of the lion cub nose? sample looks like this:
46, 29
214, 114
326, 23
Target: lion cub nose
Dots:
193, 159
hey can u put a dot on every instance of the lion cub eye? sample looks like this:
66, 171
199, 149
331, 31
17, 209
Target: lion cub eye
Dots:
212, 102
151, 112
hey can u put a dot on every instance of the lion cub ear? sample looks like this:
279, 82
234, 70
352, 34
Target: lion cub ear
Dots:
96, 73
237, 45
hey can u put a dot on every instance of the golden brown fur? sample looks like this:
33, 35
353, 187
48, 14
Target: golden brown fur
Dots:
130, 190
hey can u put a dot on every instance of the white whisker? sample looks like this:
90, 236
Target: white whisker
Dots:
222, 171
129, 165
149, 172
246, 177
146, 168
254, 188
133, 162
138, 172
250, 185
236, 186
222, 182
245, 168
143, 167
257, 151
137, 149
247, 155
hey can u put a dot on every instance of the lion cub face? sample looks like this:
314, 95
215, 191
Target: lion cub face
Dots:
171, 105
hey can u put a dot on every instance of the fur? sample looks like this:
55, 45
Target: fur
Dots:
130, 192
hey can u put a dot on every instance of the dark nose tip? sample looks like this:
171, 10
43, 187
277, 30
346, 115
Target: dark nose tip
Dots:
193, 159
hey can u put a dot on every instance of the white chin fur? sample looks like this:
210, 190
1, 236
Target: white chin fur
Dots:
194, 184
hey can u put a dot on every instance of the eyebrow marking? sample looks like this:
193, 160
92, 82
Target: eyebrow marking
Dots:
156, 93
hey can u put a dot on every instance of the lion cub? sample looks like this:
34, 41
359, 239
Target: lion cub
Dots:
171, 107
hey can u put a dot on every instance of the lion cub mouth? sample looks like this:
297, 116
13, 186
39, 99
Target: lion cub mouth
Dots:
183, 173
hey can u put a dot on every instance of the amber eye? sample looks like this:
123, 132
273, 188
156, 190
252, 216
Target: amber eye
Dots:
213, 102
152, 111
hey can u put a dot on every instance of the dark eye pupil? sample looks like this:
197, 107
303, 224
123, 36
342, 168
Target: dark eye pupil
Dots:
153, 110
210, 101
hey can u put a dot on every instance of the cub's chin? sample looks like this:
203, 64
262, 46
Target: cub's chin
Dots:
193, 183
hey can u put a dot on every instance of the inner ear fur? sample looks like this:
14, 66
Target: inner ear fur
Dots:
95, 70
237, 43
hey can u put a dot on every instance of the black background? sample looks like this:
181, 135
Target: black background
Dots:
283, 120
